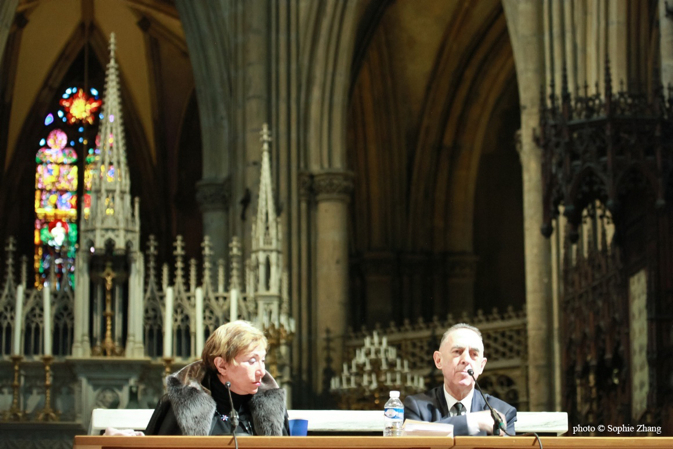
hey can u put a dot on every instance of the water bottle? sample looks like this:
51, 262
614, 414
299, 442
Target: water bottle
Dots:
393, 415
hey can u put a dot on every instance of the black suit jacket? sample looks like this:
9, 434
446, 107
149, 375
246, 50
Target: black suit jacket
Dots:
431, 406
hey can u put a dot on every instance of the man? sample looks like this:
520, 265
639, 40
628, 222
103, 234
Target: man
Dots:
455, 402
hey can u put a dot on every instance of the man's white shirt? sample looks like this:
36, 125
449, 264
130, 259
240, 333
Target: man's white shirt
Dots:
472, 426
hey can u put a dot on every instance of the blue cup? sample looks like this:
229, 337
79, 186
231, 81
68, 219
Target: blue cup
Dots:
298, 427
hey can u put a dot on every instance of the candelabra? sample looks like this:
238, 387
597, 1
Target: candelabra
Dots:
279, 337
168, 363
375, 370
47, 414
15, 413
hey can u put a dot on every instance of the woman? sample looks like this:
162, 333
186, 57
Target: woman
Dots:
197, 399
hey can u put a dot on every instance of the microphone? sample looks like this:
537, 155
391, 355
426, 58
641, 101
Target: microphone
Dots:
233, 415
497, 422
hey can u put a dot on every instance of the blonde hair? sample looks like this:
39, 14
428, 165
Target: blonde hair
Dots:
229, 340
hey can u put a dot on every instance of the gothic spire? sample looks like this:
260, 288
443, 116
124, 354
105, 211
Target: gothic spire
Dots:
112, 216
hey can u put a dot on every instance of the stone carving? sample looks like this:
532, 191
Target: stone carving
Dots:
333, 185
213, 194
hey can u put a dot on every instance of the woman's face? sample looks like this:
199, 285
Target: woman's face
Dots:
245, 372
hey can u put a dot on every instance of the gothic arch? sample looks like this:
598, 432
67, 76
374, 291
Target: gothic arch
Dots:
20, 168
329, 80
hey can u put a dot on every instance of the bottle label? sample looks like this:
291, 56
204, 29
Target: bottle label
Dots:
394, 413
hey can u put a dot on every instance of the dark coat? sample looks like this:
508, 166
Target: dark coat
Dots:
188, 408
431, 406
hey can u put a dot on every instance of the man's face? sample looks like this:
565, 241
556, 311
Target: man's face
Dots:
245, 372
462, 349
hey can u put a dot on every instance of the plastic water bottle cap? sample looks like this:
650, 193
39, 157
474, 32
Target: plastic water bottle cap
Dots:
394, 394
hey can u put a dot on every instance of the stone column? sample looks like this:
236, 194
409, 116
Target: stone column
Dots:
666, 31
524, 21
333, 190
7, 11
461, 271
214, 196
81, 346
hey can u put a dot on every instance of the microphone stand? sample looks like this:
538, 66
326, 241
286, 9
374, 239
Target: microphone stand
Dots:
233, 415
497, 422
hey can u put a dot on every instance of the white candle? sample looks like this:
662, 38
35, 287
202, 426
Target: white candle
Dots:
46, 311
406, 366
399, 364
233, 305
389, 378
365, 379
344, 380
352, 382
168, 324
398, 378
368, 342
368, 367
384, 364
292, 325
376, 338
199, 322
18, 321
375, 384
384, 341
345, 368
409, 384
336, 382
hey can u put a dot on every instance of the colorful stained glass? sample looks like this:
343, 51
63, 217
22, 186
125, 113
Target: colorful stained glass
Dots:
80, 107
56, 180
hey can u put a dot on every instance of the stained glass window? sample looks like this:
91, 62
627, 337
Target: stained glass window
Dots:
79, 107
57, 177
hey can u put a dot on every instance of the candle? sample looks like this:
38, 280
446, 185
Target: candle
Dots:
409, 384
168, 323
18, 321
345, 368
384, 341
233, 304
292, 325
344, 380
406, 366
398, 378
399, 364
336, 382
365, 379
352, 381
389, 379
368, 342
46, 311
368, 367
376, 338
199, 322
384, 364
354, 367
375, 384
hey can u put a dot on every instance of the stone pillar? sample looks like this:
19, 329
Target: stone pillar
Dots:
666, 32
524, 20
461, 271
7, 11
214, 196
81, 346
333, 190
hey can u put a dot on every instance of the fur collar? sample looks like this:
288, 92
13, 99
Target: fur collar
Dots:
194, 406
